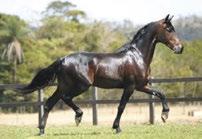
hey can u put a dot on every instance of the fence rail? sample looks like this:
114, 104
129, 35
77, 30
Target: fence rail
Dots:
91, 102
158, 80
174, 80
94, 101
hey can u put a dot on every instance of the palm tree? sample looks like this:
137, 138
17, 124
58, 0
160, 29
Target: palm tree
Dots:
12, 29
14, 54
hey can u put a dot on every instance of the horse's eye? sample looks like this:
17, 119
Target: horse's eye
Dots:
169, 29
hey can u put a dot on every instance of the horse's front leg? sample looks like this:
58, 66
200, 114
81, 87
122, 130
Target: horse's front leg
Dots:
159, 94
124, 99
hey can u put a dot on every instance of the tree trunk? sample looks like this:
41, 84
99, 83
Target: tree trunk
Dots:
14, 78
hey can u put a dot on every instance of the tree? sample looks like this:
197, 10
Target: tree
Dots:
58, 8
75, 15
189, 28
14, 54
53, 27
65, 10
12, 30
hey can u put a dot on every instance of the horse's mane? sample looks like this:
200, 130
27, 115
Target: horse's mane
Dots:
136, 37
140, 33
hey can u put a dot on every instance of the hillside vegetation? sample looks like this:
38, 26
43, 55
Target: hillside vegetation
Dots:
65, 29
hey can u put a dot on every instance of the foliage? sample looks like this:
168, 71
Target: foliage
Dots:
65, 10
12, 27
189, 28
62, 33
166, 64
12, 30
75, 15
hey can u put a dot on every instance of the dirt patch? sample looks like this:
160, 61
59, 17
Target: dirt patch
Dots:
133, 114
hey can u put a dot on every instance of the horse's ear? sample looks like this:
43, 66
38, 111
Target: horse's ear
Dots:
171, 18
167, 18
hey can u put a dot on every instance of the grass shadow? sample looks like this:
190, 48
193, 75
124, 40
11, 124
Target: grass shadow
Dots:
77, 134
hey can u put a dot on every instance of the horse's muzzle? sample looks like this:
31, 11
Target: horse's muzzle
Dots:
178, 49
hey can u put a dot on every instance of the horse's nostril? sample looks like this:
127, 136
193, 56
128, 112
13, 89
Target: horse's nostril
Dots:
178, 49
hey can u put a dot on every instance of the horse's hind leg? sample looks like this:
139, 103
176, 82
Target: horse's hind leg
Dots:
73, 92
47, 108
77, 110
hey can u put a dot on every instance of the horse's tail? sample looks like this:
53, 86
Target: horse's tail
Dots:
42, 79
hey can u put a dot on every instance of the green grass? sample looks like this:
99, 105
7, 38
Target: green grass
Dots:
158, 131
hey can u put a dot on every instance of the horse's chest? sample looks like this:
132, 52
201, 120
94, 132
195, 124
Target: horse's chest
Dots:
133, 71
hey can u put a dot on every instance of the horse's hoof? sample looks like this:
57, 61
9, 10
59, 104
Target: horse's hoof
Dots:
118, 130
78, 120
164, 116
41, 133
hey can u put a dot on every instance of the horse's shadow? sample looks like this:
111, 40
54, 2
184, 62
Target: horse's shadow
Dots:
94, 133
79, 133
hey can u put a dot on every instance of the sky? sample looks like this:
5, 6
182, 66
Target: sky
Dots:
137, 11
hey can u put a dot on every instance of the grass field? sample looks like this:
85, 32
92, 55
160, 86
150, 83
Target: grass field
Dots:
139, 131
134, 125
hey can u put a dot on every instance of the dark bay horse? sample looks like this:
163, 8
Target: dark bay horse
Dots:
128, 68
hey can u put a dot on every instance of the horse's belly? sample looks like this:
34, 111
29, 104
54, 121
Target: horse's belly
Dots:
108, 76
107, 83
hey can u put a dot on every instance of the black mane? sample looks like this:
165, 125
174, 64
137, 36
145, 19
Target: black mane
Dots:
140, 33
136, 37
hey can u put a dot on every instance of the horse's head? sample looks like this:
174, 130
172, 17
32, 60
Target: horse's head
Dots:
166, 34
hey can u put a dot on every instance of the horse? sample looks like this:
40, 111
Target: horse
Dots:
128, 68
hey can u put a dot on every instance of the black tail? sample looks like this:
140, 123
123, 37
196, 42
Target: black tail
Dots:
41, 79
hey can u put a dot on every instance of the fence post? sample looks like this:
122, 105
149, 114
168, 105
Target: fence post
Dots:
151, 110
94, 105
40, 106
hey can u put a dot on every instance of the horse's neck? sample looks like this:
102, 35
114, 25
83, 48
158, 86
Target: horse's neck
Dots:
146, 47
